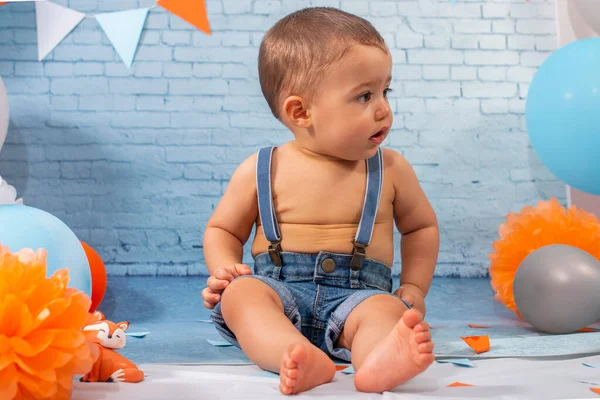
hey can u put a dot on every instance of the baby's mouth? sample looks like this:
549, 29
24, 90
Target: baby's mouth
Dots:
378, 134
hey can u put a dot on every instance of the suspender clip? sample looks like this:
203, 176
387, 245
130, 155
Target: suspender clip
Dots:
275, 253
359, 255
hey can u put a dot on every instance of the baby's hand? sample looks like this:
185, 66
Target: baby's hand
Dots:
413, 296
220, 280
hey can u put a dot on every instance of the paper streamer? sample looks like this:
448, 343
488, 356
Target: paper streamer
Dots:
124, 29
54, 23
193, 12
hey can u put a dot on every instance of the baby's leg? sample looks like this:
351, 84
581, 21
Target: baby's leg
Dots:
390, 344
254, 313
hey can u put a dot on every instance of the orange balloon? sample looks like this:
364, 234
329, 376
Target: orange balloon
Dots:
98, 273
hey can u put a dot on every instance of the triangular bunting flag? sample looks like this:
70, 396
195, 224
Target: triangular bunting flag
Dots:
124, 29
192, 11
54, 23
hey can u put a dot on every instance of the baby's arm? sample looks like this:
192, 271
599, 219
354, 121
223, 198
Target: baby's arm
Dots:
417, 223
228, 230
230, 226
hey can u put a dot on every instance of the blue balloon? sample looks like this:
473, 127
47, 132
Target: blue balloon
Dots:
563, 114
27, 227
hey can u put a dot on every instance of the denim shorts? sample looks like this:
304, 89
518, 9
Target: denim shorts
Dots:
318, 292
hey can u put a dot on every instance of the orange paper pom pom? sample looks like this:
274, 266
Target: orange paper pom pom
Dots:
42, 345
534, 227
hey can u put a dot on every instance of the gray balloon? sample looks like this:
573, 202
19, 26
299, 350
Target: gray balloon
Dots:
556, 289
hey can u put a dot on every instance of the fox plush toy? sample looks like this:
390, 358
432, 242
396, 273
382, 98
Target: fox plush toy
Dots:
111, 366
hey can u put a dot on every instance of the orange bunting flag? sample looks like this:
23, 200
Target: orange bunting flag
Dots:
475, 326
595, 390
192, 11
1, 4
458, 384
480, 344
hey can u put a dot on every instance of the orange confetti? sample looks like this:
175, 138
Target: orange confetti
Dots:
588, 330
595, 390
480, 344
475, 326
193, 12
341, 367
458, 384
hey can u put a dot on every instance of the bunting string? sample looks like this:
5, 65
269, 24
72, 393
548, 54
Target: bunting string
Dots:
123, 28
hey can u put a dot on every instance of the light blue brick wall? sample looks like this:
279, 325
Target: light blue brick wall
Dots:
134, 161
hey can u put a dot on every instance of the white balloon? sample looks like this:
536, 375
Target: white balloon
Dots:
589, 11
3, 113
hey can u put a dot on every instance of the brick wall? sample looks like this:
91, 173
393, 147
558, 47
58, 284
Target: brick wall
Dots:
134, 161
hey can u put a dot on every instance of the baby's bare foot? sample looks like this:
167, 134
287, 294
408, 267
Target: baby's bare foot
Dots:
399, 357
303, 368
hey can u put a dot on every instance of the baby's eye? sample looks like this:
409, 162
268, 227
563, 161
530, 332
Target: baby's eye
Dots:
387, 91
365, 97
119, 336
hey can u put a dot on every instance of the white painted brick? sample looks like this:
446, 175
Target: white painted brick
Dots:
149, 69
492, 42
429, 26
521, 42
491, 73
409, 9
434, 57
533, 59
257, 38
533, 26
207, 70
157, 21
495, 10
176, 37
235, 71
382, 8
117, 69
267, 7
432, 89
29, 69
488, 90
150, 37
204, 40
237, 6
177, 70
198, 86
389, 38
503, 26
398, 56
150, 103
437, 42
530, 10
404, 41
411, 105
65, 103
198, 54
463, 73
407, 72
436, 73
88, 69
520, 74
235, 39
464, 42
495, 106
516, 106
356, 7
472, 26
546, 43
7, 68
491, 57
58, 69
449, 10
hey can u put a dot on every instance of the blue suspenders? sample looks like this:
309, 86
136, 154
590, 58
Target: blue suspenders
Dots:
367, 221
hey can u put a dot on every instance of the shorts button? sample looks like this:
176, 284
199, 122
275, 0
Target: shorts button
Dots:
328, 265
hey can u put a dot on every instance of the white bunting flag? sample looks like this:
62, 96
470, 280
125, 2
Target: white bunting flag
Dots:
124, 29
54, 23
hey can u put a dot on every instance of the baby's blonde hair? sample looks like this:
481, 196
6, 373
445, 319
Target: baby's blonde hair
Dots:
298, 49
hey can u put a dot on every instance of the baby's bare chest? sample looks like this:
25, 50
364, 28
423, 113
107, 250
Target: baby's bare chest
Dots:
313, 196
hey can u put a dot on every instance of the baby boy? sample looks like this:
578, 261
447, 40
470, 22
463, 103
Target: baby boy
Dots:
325, 205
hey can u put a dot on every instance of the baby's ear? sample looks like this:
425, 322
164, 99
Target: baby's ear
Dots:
295, 110
124, 325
